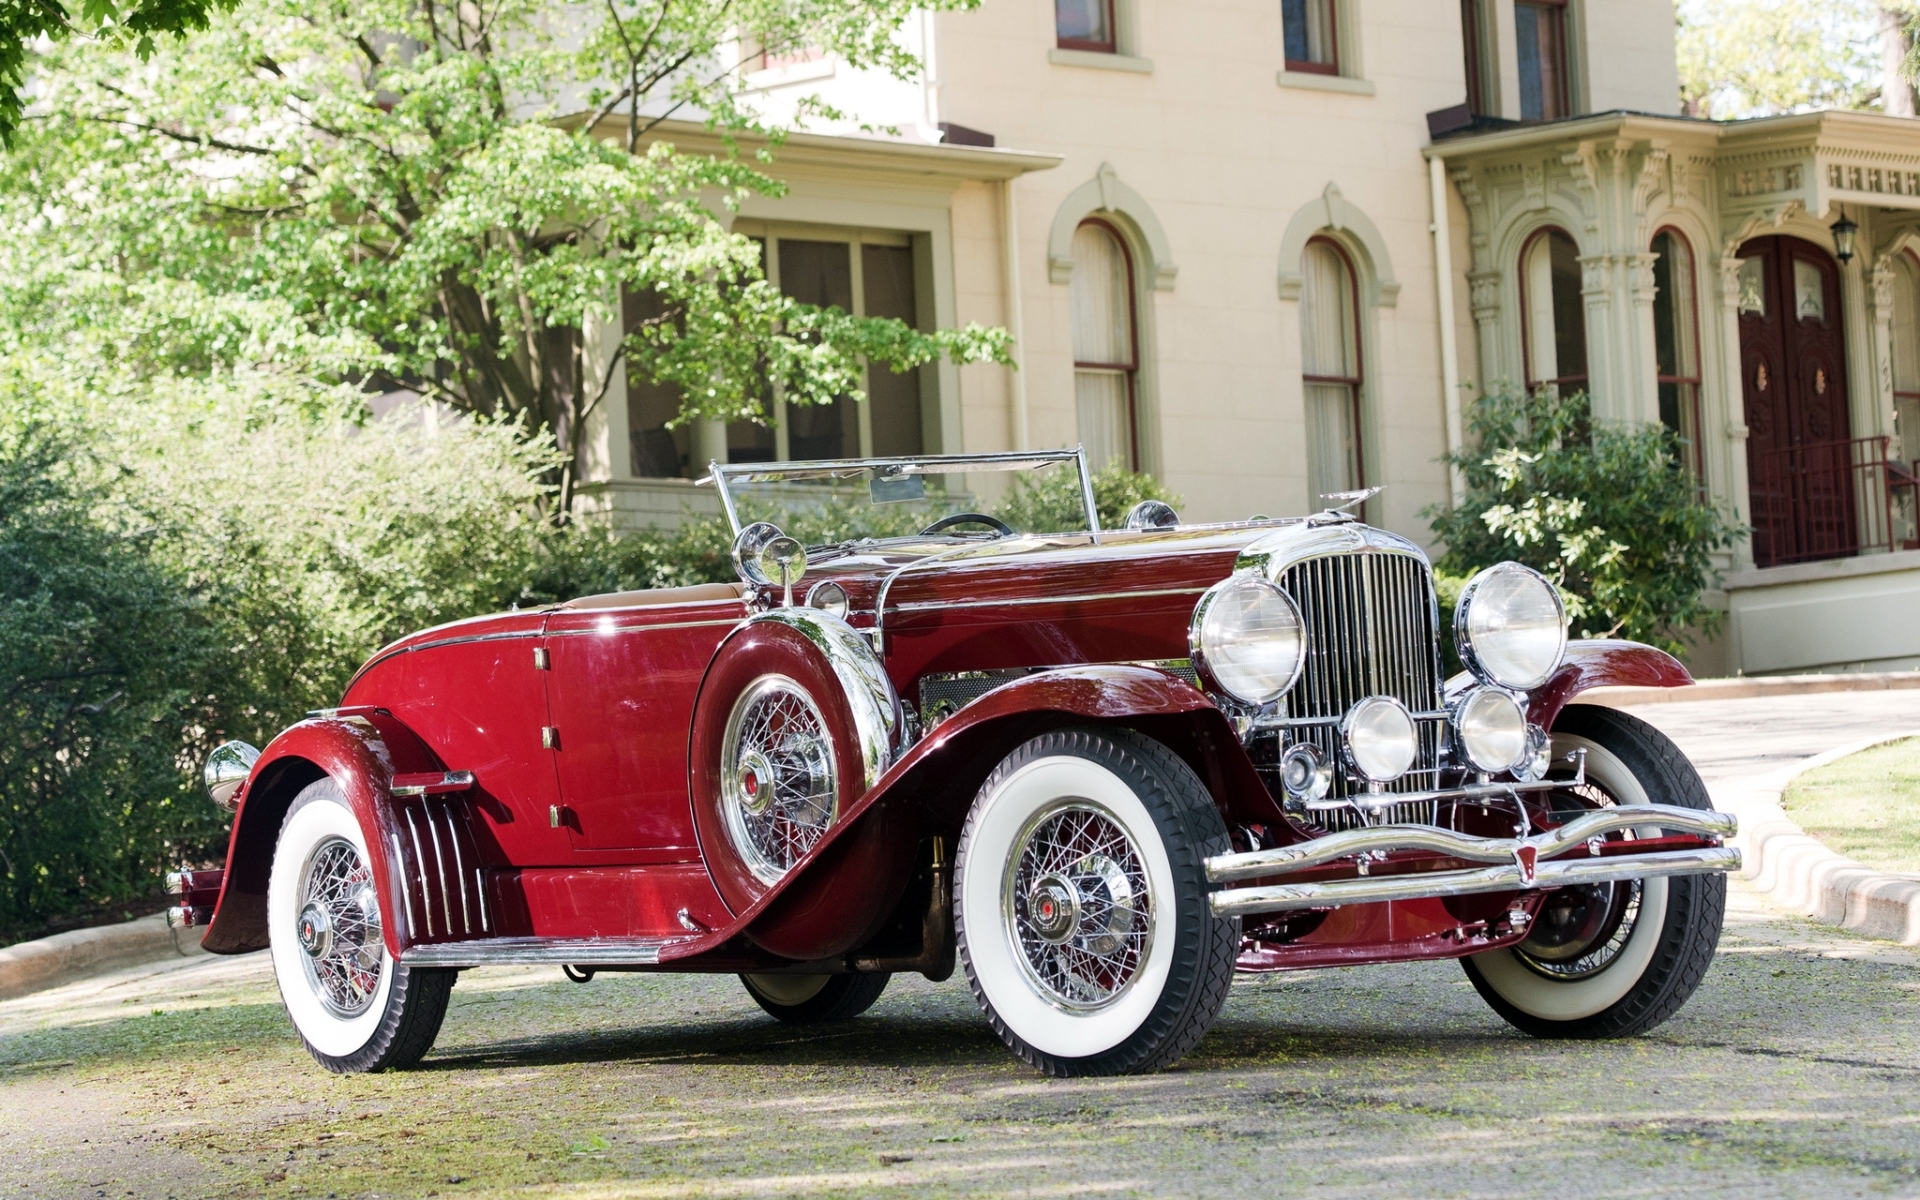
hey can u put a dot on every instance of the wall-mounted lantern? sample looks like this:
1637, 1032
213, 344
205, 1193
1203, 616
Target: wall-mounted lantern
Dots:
1843, 234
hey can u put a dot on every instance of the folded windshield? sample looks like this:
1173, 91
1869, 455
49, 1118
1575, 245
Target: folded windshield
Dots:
950, 495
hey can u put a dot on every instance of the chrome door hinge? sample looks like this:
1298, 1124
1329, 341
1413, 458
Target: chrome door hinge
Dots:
549, 737
539, 658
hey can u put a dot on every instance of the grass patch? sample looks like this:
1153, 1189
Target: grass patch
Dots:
1865, 806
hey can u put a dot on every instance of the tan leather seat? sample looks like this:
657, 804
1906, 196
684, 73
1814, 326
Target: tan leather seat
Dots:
652, 597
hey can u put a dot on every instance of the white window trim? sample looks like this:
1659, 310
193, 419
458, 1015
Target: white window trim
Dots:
1325, 83
1100, 61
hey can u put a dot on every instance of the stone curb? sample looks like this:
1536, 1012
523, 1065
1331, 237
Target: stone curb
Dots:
1748, 687
64, 957
1798, 872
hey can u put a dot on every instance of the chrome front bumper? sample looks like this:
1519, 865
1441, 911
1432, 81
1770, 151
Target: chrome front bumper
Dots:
1526, 863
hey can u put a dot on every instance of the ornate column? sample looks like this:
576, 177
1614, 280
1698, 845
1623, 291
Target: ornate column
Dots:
1736, 495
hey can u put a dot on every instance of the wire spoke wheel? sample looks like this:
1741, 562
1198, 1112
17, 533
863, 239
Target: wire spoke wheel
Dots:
1080, 904
1580, 931
776, 776
338, 928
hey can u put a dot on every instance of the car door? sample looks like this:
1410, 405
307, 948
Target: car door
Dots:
621, 684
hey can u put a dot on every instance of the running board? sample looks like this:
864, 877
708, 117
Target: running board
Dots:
529, 951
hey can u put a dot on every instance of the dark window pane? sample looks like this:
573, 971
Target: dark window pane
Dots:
817, 273
1526, 37
1083, 21
657, 452
1470, 41
1569, 310
894, 399
1666, 342
1293, 19
820, 273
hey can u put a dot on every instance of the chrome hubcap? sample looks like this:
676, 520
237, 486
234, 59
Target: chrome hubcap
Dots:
316, 931
776, 771
339, 928
1080, 905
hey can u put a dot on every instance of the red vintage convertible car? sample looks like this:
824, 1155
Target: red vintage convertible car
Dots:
1103, 769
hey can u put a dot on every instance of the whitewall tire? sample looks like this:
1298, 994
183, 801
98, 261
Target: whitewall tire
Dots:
1080, 904
1611, 960
352, 1004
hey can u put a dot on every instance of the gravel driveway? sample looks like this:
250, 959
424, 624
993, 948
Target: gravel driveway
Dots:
1795, 1071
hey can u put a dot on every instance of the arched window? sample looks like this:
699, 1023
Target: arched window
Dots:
1552, 313
1906, 354
1330, 368
1105, 356
1676, 340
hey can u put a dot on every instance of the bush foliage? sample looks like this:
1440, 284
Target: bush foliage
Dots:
1606, 512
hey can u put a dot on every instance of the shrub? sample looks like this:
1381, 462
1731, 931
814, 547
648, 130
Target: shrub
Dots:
1050, 500
1605, 512
103, 658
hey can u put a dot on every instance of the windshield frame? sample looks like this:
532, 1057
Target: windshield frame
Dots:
720, 475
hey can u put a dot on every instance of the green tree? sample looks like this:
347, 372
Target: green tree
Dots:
440, 198
103, 659
1744, 58
1606, 512
25, 22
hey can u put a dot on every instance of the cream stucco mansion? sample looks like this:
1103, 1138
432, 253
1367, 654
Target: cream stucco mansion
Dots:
1267, 249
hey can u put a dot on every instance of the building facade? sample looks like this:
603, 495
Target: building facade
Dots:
1270, 249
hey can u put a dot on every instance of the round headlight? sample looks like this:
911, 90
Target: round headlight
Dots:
1247, 639
1492, 729
1381, 740
1511, 627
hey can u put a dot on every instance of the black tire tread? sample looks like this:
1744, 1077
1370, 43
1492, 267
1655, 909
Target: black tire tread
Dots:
1696, 904
842, 999
416, 1003
1206, 946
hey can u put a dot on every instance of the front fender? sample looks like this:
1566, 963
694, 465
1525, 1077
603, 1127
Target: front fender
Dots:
932, 784
1603, 662
361, 754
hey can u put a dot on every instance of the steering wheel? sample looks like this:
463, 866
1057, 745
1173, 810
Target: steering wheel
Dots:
999, 527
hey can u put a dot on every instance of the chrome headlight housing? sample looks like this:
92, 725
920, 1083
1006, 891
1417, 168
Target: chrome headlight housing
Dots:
1382, 740
1247, 639
1492, 730
1511, 627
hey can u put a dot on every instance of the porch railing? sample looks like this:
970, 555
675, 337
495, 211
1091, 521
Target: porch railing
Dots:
1831, 500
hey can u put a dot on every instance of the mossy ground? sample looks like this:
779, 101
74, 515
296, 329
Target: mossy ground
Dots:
1793, 1072
1865, 806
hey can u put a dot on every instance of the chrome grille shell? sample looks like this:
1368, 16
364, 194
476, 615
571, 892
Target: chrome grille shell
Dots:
1373, 623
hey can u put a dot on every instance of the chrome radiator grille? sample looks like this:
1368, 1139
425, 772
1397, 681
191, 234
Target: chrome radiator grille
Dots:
1370, 632
1370, 621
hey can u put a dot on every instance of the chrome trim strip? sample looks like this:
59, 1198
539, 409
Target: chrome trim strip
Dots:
1017, 601
1387, 838
562, 633
449, 781
487, 952
1510, 877
420, 864
398, 870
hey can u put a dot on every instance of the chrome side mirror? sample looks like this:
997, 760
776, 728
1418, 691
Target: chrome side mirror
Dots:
764, 555
227, 768
1152, 514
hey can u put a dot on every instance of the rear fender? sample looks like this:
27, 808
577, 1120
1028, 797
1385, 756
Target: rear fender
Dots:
1603, 662
361, 753
930, 787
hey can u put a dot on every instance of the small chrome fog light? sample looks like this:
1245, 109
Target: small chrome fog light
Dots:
1492, 729
829, 597
1538, 757
1304, 774
1381, 740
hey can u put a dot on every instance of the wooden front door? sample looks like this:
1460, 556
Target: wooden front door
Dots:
1793, 378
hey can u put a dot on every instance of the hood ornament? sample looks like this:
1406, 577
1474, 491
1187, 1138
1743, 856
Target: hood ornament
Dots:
1340, 504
